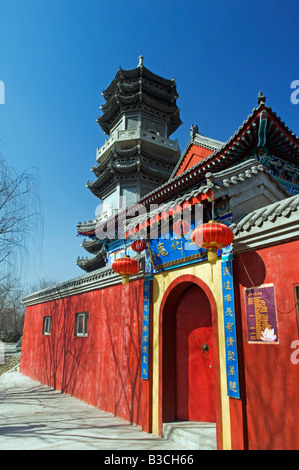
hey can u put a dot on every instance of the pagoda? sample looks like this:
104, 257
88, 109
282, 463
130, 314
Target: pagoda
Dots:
139, 116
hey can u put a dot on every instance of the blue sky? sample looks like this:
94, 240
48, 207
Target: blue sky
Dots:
57, 56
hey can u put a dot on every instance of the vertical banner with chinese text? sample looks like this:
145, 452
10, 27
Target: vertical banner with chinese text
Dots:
145, 329
231, 349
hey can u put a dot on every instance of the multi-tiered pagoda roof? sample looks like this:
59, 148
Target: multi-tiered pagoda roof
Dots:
139, 115
140, 88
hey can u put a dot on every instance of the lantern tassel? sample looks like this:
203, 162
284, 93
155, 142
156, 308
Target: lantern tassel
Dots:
212, 255
212, 258
125, 279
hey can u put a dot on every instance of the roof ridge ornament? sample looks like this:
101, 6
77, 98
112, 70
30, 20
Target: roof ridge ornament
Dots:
262, 133
193, 131
261, 99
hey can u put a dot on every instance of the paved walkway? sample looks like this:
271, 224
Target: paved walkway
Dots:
36, 417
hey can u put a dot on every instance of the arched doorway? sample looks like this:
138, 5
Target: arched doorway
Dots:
188, 316
195, 382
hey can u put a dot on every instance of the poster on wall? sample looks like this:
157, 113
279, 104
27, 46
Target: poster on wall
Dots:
261, 315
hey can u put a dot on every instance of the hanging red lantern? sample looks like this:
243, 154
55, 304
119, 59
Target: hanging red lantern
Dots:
126, 267
138, 245
181, 227
212, 236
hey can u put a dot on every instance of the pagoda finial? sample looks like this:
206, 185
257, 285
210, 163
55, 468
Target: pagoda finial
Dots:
140, 61
261, 98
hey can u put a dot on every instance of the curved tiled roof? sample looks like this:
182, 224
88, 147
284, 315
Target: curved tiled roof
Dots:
213, 181
237, 147
136, 73
269, 213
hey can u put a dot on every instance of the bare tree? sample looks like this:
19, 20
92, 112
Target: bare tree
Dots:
20, 221
19, 210
41, 284
11, 308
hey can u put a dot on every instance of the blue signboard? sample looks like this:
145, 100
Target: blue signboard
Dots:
172, 249
145, 329
231, 349
119, 252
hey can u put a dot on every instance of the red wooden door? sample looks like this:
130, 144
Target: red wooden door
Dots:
195, 384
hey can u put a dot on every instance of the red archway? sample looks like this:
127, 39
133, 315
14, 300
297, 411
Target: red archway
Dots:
167, 339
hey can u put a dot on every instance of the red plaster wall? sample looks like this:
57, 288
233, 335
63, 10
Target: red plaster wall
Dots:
268, 415
194, 155
102, 369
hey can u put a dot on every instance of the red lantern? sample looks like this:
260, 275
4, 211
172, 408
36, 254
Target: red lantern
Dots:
212, 236
181, 227
126, 267
138, 245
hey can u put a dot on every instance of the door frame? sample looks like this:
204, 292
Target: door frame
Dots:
166, 346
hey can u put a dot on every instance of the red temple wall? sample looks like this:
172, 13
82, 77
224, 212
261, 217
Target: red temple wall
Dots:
103, 369
268, 414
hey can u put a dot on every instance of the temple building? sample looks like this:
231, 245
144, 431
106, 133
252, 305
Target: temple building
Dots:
139, 116
205, 335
